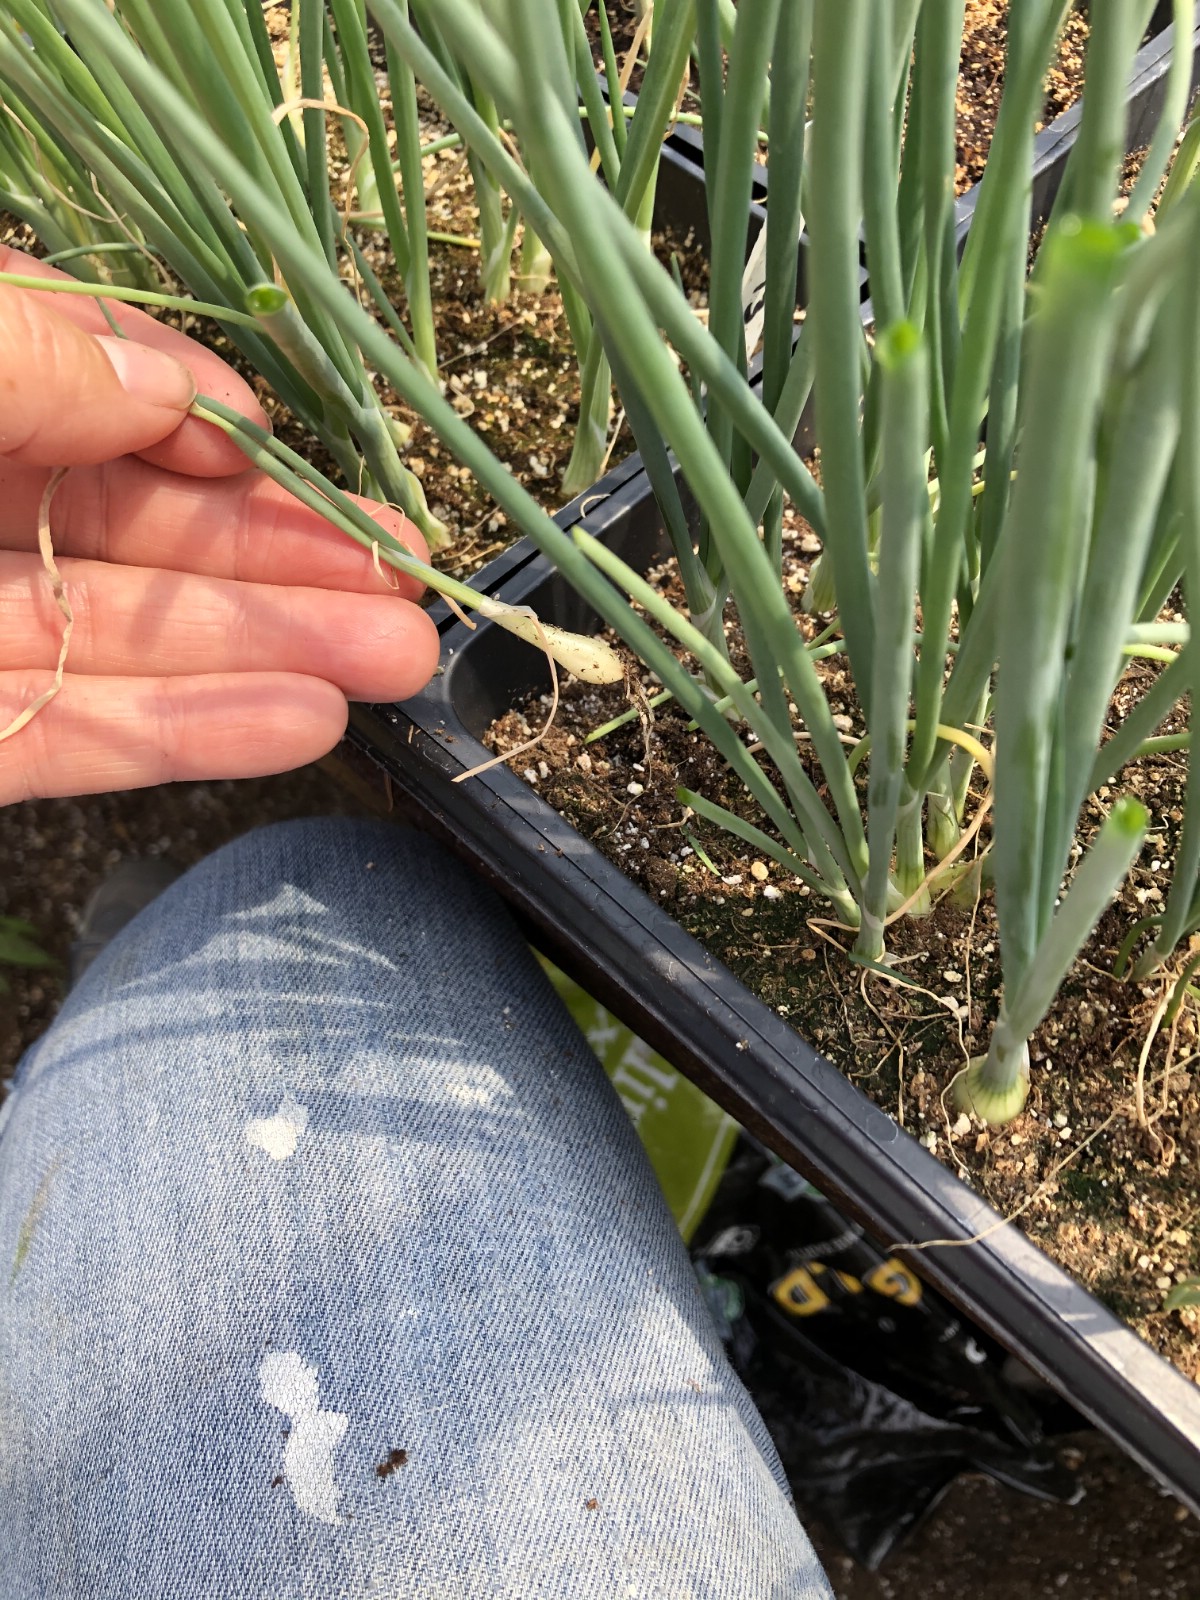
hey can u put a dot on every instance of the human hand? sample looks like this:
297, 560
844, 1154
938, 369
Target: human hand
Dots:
220, 626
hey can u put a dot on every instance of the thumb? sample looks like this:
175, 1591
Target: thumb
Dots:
70, 398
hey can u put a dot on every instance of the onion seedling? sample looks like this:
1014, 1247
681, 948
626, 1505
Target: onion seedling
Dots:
1008, 465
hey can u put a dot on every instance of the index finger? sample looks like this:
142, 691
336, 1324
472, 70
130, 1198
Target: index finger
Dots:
195, 448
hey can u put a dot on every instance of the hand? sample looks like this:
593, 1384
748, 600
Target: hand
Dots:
220, 626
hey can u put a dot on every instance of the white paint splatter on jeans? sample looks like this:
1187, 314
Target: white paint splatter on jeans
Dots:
280, 1134
292, 1386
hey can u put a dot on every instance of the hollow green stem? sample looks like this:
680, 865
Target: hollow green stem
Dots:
135, 297
910, 854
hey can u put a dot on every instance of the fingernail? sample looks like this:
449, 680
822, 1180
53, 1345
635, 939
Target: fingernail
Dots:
149, 375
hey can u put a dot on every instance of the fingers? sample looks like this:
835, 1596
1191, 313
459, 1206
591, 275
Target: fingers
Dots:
68, 398
195, 447
133, 620
101, 734
246, 527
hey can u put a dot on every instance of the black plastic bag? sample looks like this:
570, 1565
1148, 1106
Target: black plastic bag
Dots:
875, 1393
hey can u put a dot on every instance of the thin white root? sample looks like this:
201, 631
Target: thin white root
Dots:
985, 805
392, 582
588, 658
1139, 1086
507, 755
913, 1245
460, 613
46, 546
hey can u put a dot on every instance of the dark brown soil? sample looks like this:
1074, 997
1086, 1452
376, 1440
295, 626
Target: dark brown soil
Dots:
1125, 1540
1100, 1172
509, 368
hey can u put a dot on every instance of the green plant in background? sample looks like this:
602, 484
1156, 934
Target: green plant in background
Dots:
1182, 1295
84, 160
19, 947
1038, 572
627, 158
1008, 482
217, 60
52, 190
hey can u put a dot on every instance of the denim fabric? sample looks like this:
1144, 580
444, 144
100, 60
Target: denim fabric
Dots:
332, 1268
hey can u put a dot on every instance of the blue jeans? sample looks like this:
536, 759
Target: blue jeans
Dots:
334, 1269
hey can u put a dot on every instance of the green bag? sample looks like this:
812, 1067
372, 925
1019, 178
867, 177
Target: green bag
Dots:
689, 1139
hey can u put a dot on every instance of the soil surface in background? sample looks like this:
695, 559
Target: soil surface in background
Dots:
1126, 1540
1100, 1169
509, 368
981, 80
981, 73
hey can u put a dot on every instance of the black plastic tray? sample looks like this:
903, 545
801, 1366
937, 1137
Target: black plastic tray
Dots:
681, 203
633, 957
629, 953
